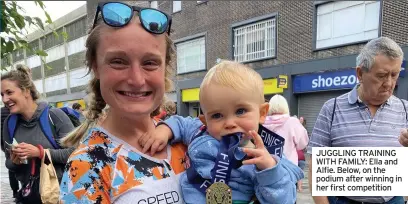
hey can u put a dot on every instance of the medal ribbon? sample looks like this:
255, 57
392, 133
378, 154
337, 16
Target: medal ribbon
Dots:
230, 156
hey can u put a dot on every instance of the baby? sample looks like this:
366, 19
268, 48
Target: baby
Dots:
232, 101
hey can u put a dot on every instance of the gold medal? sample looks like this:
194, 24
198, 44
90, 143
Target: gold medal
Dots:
219, 193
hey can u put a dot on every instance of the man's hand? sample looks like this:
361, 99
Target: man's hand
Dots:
403, 138
24, 150
157, 140
260, 155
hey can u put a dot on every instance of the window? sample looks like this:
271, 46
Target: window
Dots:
39, 85
345, 22
5, 62
153, 4
77, 45
176, 6
191, 55
18, 54
76, 29
51, 40
255, 41
34, 45
79, 77
57, 82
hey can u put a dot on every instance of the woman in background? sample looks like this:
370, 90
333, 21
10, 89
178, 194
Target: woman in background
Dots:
280, 122
20, 95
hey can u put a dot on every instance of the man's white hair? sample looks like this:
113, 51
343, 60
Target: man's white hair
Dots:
379, 46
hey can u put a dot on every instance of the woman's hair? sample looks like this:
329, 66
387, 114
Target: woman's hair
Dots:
278, 105
22, 76
97, 103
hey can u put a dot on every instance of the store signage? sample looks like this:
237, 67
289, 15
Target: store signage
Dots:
283, 81
342, 79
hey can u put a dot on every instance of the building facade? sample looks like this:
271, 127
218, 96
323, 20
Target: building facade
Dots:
310, 47
61, 78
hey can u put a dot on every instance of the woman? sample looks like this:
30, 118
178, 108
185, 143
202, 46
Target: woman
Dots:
20, 95
280, 122
131, 65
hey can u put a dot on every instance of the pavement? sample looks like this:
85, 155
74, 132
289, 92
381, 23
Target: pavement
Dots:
305, 197
6, 195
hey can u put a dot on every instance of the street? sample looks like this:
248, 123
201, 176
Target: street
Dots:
6, 195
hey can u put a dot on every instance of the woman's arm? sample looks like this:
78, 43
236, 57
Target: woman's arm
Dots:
63, 126
300, 137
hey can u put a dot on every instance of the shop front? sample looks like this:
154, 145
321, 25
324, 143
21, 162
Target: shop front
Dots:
191, 96
314, 89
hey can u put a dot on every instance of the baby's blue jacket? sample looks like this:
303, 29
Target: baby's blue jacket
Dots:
275, 185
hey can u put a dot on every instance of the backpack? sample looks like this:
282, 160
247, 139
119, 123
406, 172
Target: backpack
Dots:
46, 124
72, 115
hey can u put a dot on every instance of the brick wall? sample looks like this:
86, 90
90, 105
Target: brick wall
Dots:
294, 20
295, 28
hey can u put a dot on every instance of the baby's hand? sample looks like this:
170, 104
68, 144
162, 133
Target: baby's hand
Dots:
260, 155
156, 140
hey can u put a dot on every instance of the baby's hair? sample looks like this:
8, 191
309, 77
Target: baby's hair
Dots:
237, 76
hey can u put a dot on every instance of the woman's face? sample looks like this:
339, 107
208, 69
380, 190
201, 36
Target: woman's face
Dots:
13, 97
131, 64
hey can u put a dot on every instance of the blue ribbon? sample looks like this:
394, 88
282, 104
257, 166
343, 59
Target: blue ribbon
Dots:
230, 156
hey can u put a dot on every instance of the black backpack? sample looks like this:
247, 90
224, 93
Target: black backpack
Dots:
72, 116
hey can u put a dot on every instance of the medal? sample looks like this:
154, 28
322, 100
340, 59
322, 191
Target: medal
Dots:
219, 193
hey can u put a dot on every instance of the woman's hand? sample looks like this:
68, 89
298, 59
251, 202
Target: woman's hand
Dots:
260, 155
15, 159
26, 150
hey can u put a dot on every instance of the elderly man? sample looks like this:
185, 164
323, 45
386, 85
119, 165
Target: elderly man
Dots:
368, 116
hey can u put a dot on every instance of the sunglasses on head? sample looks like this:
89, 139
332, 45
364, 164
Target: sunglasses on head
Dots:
118, 14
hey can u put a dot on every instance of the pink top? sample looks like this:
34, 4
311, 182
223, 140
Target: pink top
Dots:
292, 130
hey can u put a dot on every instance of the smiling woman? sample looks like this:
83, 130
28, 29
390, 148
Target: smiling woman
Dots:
19, 95
131, 64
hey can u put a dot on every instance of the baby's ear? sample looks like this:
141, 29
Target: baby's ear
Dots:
263, 112
202, 118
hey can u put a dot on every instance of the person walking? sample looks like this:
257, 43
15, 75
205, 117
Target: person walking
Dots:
23, 125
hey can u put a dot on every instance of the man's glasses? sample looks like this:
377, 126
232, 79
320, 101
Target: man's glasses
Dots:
118, 14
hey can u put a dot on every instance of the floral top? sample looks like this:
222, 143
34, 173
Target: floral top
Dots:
105, 169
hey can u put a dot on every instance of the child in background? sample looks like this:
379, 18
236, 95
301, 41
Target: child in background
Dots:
232, 100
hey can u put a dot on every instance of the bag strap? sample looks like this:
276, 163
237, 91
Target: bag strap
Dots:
11, 125
405, 109
45, 124
32, 167
334, 109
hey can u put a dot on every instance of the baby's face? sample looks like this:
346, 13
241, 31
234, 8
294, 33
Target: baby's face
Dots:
228, 111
